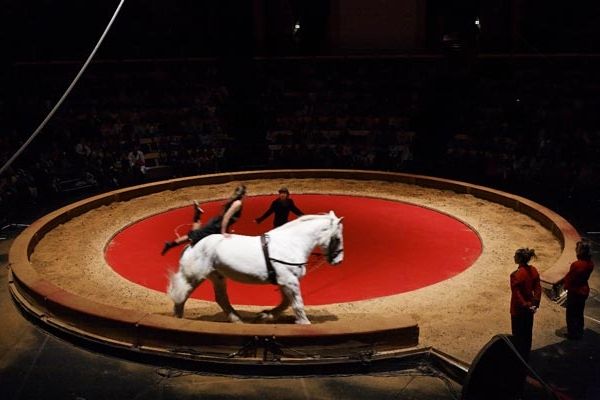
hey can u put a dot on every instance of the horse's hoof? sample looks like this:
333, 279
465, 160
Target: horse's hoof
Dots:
303, 322
234, 319
264, 316
178, 310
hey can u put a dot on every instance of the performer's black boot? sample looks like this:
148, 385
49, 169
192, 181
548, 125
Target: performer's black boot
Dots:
168, 246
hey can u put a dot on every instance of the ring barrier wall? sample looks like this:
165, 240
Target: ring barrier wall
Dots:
145, 332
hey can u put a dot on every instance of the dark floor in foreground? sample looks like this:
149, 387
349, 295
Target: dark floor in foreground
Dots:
36, 365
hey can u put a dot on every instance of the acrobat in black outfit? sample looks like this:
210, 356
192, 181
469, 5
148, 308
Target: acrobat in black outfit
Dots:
282, 206
232, 210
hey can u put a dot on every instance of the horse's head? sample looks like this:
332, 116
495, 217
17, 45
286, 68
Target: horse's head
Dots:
334, 245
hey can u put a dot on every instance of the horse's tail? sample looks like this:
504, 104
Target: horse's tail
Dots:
177, 280
170, 275
178, 288
171, 284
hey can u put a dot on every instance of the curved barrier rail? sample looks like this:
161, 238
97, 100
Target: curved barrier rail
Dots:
223, 342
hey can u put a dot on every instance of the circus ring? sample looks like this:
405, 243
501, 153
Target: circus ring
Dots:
60, 279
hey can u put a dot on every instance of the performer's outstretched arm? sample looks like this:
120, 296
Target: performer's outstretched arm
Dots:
270, 211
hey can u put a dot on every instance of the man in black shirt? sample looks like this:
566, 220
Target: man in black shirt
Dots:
281, 207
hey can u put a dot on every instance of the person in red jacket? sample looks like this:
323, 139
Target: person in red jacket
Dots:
525, 300
576, 284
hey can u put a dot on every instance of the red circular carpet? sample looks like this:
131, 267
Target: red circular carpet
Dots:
390, 248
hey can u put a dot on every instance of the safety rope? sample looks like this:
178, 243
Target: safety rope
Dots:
178, 227
65, 94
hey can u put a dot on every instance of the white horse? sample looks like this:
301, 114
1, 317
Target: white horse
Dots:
244, 259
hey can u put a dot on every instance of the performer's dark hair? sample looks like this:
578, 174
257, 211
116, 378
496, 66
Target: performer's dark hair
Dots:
239, 192
583, 249
525, 254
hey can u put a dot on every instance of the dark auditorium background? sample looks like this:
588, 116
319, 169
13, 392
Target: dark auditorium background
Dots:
500, 93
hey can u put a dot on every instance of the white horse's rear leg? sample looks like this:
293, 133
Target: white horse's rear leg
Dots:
274, 313
220, 287
292, 291
179, 290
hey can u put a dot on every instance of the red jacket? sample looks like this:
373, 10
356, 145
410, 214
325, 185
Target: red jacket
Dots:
526, 290
576, 280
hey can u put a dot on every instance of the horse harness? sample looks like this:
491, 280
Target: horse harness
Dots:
264, 241
332, 252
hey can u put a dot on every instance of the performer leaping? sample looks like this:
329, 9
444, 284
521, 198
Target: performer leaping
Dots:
232, 210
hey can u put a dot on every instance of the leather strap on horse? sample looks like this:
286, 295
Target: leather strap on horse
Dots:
264, 241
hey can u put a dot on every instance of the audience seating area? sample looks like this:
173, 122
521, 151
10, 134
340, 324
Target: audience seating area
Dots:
527, 125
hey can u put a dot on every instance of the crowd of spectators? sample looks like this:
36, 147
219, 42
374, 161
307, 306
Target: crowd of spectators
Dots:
351, 113
120, 126
527, 126
533, 131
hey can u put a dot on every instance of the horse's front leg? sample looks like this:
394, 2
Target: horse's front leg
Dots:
220, 288
274, 313
291, 290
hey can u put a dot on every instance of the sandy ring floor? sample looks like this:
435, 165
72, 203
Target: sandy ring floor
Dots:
457, 316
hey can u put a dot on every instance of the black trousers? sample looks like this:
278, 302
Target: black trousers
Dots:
522, 330
212, 226
575, 307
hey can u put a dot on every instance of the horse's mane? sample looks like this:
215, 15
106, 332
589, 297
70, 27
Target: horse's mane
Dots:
302, 218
